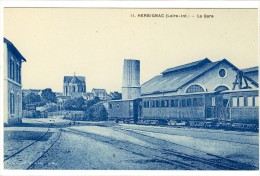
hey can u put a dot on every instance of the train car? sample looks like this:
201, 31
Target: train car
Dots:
191, 108
242, 111
236, 109
230, 109
126, 111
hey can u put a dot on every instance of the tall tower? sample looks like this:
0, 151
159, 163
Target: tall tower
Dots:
131, 79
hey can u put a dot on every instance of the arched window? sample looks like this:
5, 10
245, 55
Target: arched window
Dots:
221, 88
195, 88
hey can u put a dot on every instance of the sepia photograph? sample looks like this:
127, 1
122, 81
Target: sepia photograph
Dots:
162, 89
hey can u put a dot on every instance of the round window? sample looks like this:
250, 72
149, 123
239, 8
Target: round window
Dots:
222, 72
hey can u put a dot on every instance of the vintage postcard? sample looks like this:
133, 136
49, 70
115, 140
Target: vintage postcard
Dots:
130, 89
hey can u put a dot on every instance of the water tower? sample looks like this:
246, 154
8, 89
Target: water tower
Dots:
131, 79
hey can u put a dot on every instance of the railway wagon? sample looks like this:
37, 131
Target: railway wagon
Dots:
238, 109
123, 110
192, 108
243, 109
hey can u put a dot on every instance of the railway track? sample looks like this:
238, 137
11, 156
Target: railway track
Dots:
122, 146
24, 158
27, 146
215, 160
33, 163
221, 140
181, 160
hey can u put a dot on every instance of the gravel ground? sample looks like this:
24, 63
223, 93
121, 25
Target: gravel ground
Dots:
56, 144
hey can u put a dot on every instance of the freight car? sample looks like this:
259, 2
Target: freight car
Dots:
226, 109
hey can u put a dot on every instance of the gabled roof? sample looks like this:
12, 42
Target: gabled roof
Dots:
187, 66
250, 69
74, 79
173, 82
14, 50
98, 91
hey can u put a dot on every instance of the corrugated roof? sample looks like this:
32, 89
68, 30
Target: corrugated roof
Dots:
172, 82
187, 66
167, 83
15, 51
250, 69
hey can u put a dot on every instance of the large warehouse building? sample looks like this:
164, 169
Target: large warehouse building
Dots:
200, 76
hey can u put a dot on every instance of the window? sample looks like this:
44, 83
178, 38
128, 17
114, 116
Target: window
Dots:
225, 102
131, 105
13, 70
19, 74
234, 101
117, 106
222, 73
188, 102
183, 103
256, 101
221, 88
241, 101
145, 104
153, 104
110, 106
174, 103
148, 104
12, 104
166, 103
157, 103
194, 88
213, 101
250, 101
200, 102
195, 102
162, 103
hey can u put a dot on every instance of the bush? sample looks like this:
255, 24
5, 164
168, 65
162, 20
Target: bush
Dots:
96, 112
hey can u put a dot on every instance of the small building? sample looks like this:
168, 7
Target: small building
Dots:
89, 96
200, 76
100, 93
13, 60
74, 86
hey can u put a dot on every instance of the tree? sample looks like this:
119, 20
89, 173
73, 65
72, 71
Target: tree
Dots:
48, 96
31, 99
116, 95
76, 104
96, 112
90, 103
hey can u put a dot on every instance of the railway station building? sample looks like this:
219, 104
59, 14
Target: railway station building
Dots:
200, 76
13, 60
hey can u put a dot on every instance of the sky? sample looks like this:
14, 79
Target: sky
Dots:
91, 42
